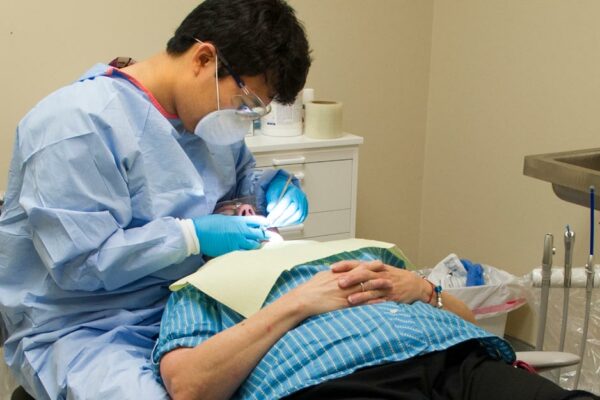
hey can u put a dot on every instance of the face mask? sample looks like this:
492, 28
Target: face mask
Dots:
222, 127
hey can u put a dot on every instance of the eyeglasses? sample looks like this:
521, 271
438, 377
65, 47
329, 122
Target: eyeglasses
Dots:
247, 104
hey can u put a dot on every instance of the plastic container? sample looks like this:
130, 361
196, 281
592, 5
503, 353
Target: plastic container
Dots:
283, 120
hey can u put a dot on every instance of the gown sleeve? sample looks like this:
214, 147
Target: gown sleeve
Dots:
79, 209
246, 173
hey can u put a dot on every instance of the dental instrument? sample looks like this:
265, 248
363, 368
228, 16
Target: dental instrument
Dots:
569, 238
569, 242
287, 183
589, 271
546, 273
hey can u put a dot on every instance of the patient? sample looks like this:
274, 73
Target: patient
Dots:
356, 325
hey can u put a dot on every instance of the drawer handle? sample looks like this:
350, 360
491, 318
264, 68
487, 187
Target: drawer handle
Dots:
291, 228
288, 161
299, 175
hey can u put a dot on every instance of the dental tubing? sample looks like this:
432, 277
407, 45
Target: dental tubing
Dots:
589, 270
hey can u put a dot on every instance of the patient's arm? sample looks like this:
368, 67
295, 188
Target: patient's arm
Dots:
218, 366
406, 286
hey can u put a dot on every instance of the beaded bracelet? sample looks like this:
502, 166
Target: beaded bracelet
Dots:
438, 297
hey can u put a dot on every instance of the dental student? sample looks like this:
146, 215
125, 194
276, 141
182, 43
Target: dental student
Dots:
112, 186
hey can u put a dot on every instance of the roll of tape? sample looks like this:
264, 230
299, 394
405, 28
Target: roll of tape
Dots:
323, 119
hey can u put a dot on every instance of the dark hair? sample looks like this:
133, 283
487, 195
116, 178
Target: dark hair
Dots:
256, 37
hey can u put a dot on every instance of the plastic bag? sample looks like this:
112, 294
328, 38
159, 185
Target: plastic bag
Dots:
502, 293
591, 359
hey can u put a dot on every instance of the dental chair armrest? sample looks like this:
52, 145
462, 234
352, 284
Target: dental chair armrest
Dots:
547, 360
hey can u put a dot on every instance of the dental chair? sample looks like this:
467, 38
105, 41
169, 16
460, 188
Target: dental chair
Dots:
543, 361
20, 394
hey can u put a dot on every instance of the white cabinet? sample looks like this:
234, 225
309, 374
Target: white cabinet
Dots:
327, 170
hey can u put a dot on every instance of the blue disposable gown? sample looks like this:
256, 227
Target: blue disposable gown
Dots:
89, 240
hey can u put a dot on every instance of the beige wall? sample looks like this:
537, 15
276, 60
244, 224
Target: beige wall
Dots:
377, 64
508, 78
45, 45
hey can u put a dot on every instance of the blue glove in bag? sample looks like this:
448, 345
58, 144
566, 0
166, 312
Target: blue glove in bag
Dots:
474, 273
292, 208
221, 234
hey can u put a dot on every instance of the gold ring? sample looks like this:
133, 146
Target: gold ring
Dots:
362, 285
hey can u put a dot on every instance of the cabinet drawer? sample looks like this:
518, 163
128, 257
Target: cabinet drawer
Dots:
328, 185
283, 158
319, 224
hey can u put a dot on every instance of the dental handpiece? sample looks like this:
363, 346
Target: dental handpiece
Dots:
589, 284
546, 272
569, 243
589, 271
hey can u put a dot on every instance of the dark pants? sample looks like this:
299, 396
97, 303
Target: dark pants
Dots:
461, 372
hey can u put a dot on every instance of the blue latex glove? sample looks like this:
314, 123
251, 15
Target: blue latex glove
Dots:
292, 208
474, 273
221, 234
